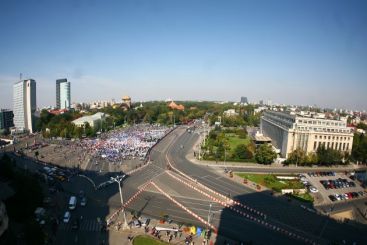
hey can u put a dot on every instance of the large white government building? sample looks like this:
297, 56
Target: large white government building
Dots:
290, 132
24, 105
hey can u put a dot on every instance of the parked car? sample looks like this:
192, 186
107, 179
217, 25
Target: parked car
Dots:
332, 198
313, 189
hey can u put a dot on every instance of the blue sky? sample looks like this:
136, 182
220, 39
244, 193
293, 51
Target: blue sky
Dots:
296, 52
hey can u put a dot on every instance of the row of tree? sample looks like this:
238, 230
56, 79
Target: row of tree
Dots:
323, 156
152, 112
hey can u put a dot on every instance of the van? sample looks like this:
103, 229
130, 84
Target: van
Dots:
72, 203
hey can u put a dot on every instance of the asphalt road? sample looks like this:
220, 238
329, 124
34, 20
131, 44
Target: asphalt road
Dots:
291, 215
286, 215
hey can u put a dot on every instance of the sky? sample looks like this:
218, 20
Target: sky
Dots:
311, 52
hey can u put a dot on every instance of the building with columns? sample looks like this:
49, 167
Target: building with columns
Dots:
289, 132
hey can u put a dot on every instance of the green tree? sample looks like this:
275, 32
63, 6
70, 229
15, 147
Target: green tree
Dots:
328, 156
242, 152
265, 154
359, 151
297, 157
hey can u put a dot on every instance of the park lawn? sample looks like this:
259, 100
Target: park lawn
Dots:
147, 240
234, 140
271, 182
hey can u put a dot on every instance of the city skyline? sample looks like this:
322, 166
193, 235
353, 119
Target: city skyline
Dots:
293, 53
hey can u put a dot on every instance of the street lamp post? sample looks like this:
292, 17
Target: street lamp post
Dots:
209, 218
209, 214
118, 180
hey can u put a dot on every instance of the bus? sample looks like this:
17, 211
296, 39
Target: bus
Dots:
72, 203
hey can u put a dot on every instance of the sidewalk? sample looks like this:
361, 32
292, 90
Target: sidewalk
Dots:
120, 236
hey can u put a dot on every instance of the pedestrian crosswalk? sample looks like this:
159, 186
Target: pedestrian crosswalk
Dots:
84, 225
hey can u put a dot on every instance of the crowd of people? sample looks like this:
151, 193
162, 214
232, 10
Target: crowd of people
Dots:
117, 145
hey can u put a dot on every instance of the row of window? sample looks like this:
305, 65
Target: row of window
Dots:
332, 130
331, 145
322, 122
332, 137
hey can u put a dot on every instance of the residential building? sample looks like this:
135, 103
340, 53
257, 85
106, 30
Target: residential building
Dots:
6, 119
230, 113
95, 120
63, 98
24, 105
307, 132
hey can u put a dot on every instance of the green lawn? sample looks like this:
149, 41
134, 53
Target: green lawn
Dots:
271, 182
234, 140
147, 240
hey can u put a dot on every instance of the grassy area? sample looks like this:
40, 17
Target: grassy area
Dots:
234, 140
304, 197
146, 240
271, 182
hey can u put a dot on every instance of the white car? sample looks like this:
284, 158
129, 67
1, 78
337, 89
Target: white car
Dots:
67, 217
313, 189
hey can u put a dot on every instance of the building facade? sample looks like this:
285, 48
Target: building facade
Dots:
290, 132
63, 98
24, 104
6, 119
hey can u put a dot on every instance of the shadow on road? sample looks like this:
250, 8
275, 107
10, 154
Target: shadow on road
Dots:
282, 220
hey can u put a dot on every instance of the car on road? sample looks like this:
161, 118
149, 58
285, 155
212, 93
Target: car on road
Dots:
67, 216
83, 202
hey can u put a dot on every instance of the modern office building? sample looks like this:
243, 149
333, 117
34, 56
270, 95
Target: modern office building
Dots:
63, 100
307, 132
24, 105
6, 119
244, 100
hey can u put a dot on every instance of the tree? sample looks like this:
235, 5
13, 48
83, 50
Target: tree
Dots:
297, 157
359, 151
265, 154
328, 156
242, 152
